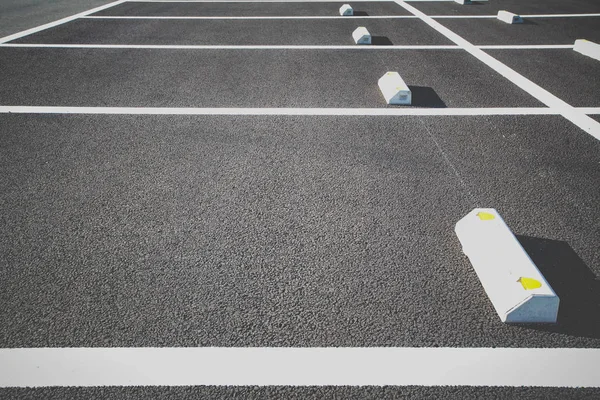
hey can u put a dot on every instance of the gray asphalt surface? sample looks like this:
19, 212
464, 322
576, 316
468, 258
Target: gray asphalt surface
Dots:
285, 231
516, 6
563, 72
302, 393
18, 15
247, 78
532, 31
288, 231
240, 32
232, 9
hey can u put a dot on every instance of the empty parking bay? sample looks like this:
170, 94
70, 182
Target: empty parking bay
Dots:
239, 32
325, 8
534, 31
515, 6
563, 72
247, 78
284, 231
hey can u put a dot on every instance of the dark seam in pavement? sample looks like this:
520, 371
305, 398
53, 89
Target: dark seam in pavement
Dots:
474, 200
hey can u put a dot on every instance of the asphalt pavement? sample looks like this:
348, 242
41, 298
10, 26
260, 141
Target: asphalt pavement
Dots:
295, 231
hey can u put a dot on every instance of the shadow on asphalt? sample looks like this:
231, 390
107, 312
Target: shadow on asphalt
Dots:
424, 96
528, 22
361, 14
381, 41
574, 283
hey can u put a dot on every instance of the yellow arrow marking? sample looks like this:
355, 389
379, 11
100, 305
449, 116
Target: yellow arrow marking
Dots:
485, 216
529, 283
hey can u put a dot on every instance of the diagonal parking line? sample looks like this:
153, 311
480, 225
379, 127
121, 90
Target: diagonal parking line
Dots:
21, 34
577, 117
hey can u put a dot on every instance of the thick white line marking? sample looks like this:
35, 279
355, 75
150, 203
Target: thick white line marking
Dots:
256, 1
522, 15
590, 110
59, 22
254, 17
281, 47
275, 111
525, 46
35, 367
577, 117
334, 17
559, 15
231, 47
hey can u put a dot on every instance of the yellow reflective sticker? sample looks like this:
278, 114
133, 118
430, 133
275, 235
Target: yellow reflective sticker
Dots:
485, 216
530, 283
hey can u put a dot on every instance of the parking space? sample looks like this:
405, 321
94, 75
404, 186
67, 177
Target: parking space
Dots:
563, 72
232, 9
239, 32
544, 31
200, 187
287, 231
246, 78
515, 6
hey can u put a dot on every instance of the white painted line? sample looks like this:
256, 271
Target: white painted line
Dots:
255, 17
560, 15
56, 23
577, 117
230, 47
275, 111
526, 46
254, 1
279, 47
180, 366
523, 15
590, 110
330, 17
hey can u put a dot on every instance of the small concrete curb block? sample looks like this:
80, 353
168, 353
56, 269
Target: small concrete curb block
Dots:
361, 35
346, 10
394, 90
587, 48
463, 2
517, 289
509, 17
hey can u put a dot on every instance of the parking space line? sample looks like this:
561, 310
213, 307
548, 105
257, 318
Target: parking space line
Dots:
277, 111
332, 16
259, 1
522, 15
278, 47
524, 46
21, 34
255, 17
398, 366
231, 47
590, 110
577, 117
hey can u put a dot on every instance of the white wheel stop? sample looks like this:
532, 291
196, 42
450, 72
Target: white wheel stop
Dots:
463, 2
394, 90
346, 10
587, 48
513, 283
361, 35
509, 18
